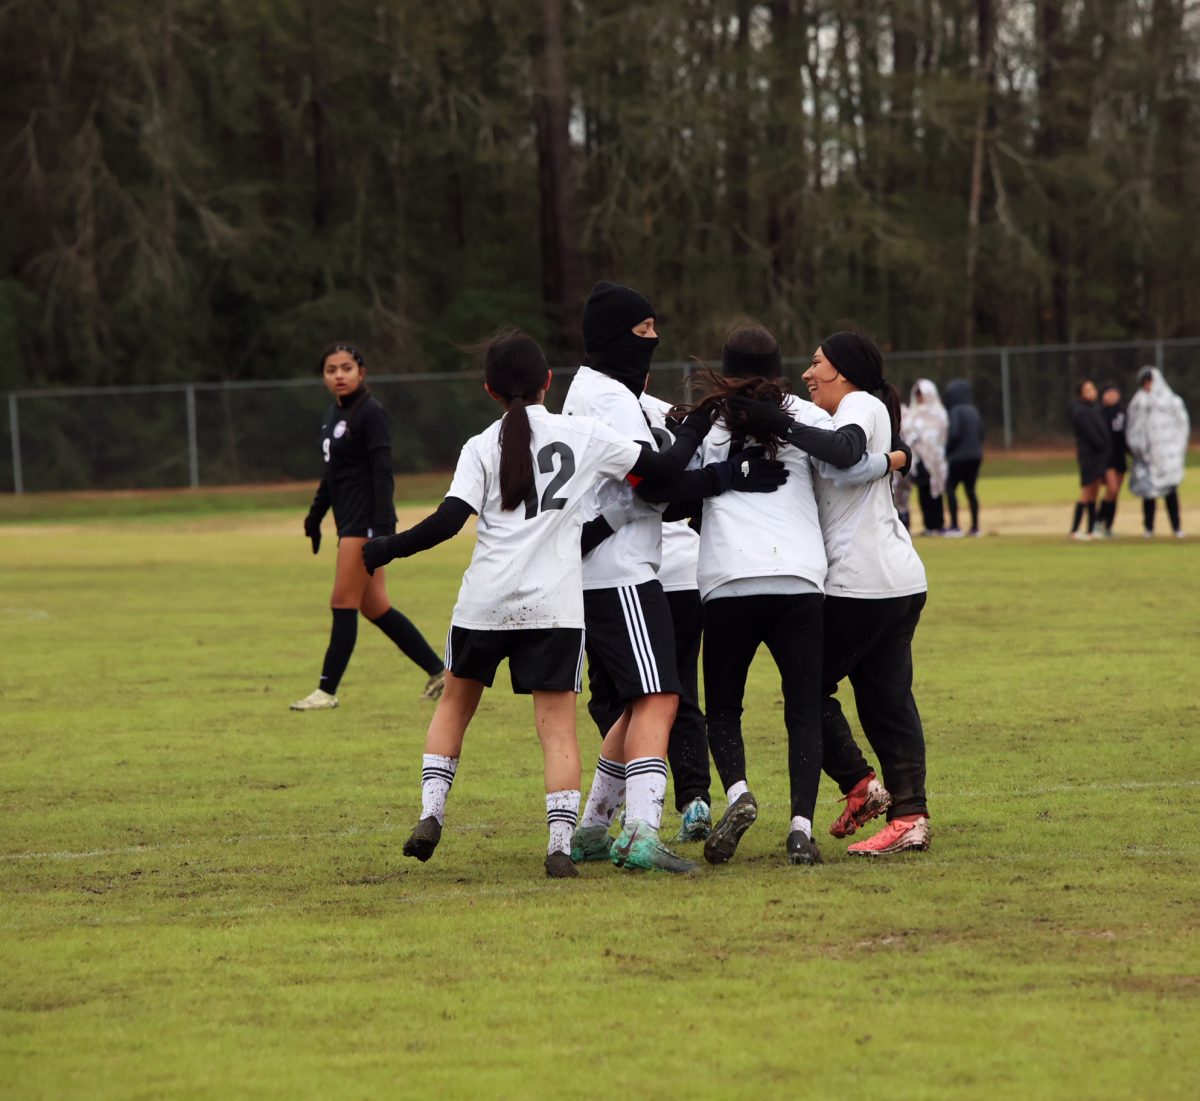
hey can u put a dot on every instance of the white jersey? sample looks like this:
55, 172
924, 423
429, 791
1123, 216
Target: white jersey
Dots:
870, 552
680, 544
633, 553
764, 534
526, 570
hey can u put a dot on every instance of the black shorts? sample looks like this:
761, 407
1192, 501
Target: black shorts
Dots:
630, 641
540, 659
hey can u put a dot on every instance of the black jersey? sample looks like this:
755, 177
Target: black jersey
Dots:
1115, 416
1092, 440
358, 484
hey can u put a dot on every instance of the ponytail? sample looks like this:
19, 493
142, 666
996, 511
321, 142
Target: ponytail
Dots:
891, 398
516, 455
515, 369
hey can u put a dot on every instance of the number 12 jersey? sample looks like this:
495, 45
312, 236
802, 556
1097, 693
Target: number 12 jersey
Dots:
526, 570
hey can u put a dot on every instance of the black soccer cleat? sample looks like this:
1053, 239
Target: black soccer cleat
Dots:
739, 816
802, 849
424, 839
559, 865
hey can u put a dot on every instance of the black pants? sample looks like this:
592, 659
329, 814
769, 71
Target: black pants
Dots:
964, 471
932, 514
687, 750
870, 641
1150, 505
790, 626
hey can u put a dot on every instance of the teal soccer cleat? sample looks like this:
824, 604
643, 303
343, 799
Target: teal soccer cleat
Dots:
697, 821
639, 849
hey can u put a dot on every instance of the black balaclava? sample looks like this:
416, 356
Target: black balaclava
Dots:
609, 315
856, 358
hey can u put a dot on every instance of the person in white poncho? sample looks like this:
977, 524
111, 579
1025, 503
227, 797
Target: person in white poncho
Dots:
1156, 432
927, 426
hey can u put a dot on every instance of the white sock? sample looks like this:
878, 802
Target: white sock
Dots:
437, 774
646, 790
562, 812
804, 825
736, 791
607, 794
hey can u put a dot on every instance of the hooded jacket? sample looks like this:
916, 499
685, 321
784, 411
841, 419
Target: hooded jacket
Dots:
927, 425
964, 437
1156, 431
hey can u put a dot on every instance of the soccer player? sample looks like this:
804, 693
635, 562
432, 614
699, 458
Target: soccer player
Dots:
761, 572
1114, 473
527, 478
357, 449
1093, 444
875, 590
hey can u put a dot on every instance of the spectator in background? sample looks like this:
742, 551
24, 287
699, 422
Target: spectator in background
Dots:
1114, 475
964, 452
928, 424
1157, 431
1093, 442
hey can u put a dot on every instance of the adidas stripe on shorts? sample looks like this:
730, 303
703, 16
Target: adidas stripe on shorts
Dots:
540, 659
630, 641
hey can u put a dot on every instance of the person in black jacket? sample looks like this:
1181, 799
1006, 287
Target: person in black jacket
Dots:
1093, 443
358, 485
1114, 473
964, 452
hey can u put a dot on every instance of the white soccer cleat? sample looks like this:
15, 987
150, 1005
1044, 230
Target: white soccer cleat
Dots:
317, 700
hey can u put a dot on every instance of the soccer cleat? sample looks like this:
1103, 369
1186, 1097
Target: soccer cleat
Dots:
953, 533
560, 866
1181, 535
739, 816
899, 835
317, 700
639, 849
1081, 536
802, 849
697, 821
424, 839
866, 800
434, 686
590, 843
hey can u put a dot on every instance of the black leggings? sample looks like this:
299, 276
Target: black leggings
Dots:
1150, 504
932, 513
687, 750
870, 641
964, 471
790, 626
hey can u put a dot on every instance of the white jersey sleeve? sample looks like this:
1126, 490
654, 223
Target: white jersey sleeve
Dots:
470, 482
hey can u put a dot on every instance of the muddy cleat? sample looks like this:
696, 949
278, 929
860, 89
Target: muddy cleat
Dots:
802, 849
739, 816
639, 849
866, 800
424, 839
317, 700
560, 866
434, 686
590, 843
899, 835
697, 821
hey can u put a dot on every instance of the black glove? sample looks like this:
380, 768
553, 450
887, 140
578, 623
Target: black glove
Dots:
378, 552
758, 418
312, 529
749, 471
698, 421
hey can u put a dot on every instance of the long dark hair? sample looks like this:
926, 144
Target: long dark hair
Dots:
747, 343
515, 369
349, 349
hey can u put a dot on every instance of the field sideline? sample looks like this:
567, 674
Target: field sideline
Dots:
203, 894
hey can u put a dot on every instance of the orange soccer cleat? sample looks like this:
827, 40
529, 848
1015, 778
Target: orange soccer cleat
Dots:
900, 835
866, 800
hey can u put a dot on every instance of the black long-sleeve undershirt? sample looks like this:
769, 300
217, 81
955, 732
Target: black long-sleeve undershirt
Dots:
442, 524
842, 447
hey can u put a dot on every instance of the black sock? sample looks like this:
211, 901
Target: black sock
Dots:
1077, 517
1148, 505
1103, 513
1112, 512
342, 636
1091, 515
403, 632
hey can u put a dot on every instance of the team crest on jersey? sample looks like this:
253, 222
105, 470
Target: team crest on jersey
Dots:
339, 430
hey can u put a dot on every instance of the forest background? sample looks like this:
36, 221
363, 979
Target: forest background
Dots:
212, 190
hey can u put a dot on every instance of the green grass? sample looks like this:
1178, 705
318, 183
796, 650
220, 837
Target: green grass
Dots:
203, 896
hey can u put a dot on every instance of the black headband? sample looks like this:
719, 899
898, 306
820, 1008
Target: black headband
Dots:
353, 353
735, 364
855, 358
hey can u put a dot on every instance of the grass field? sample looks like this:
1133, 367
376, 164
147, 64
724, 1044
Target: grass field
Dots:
203, 894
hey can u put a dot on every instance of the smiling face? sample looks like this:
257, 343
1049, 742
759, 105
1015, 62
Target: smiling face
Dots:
826, 384
341, 374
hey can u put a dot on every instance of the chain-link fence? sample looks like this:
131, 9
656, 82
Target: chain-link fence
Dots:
138, 437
